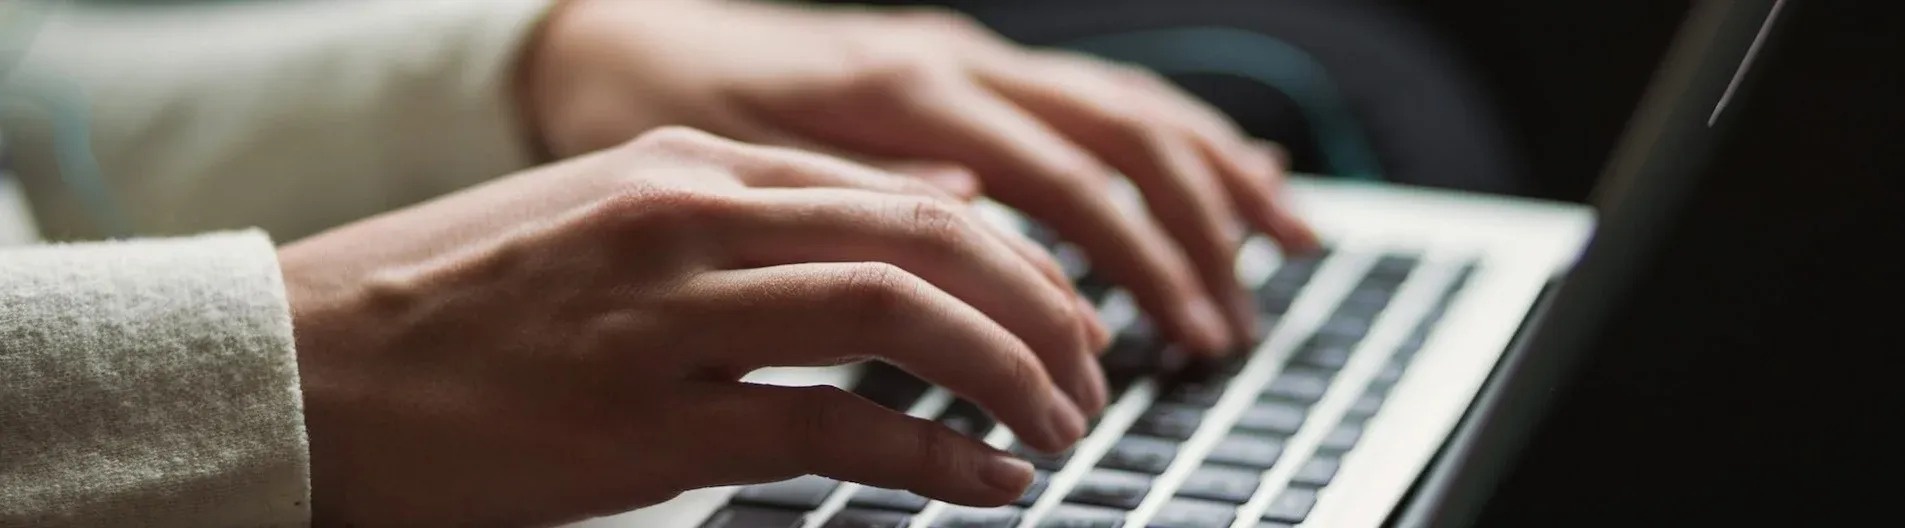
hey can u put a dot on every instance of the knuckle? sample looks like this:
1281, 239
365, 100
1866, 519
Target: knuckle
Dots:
642, 208
673, 139
877, 293
817, 413
938, 224
1025, 374
900, 78
1142, 134
931, 447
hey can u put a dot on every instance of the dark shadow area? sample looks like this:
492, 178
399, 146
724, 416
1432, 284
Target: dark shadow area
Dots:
1751, 382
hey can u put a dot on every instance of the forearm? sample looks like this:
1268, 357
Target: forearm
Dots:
292, 116
149, 382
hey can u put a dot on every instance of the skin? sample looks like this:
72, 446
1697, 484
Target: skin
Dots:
928, 91
568, 341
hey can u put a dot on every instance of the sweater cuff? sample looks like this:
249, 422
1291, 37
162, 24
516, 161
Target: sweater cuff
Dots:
151, 382
492, 37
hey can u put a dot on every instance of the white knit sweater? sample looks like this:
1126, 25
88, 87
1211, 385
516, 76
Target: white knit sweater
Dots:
152, 382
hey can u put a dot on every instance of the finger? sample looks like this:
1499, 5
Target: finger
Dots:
951, 178
948, 177
1153, 147
775, 433
1251, 170
1097, 336
778, 166
941, 243
829, 313
1200, 116
1257, 188
1029, 166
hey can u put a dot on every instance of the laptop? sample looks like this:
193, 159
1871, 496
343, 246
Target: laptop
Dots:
1373, 395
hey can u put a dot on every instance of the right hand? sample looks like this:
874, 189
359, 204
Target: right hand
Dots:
935, 93
569, 342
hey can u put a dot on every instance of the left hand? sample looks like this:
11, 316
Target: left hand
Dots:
935, 95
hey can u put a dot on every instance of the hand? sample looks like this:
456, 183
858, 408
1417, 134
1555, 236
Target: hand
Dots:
569, 341
1043, 131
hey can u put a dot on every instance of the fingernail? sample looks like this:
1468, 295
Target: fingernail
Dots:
1098, 336
1064, 423
1207, 322
1005, 473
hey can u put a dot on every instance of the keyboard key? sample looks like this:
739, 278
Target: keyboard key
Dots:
1318, 471
1365, 300
1276, 295
1247, 450
1266, 322
1221, 483
1346, 326
1041, 234
1202, 393
1048, 462
1180, 512
956, 516
966, 418
1393, 267
889, 386
1407, 350
888, 499
1274, 305
754, 517
1295, 270
860, 518
1071, 260
1140, 453
1094, 287
1299, 384
1340, 439
1324, 353
800, 493
1112, 488
1039, 480
1391, 372
1365, 406
1135, 352
1274, 524
1281, 418
1292, 505
1168, 420
1082, 516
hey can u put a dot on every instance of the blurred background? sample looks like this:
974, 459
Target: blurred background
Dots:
1512, 97
1501, 96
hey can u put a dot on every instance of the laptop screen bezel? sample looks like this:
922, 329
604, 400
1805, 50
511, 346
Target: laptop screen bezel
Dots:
1648, 178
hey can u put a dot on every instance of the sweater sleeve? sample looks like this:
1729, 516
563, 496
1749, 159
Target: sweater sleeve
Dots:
290, 115
150, 383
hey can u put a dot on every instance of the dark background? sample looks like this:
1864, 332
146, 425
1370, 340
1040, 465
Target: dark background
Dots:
1748, 379
1504, 96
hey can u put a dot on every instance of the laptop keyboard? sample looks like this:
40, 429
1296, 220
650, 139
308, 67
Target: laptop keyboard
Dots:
1212, 477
